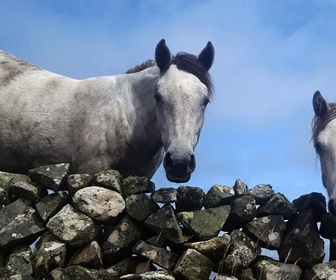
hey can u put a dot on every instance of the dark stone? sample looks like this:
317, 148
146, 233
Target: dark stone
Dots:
240, 188
321, 271
26, 190
78, 181
74, 272
19, 262
278, 204
90, 256
314, 201
110, 179
135, 185
189, 198
302, 243
328, 226
219, 195
140, 206
262, 193
165, 195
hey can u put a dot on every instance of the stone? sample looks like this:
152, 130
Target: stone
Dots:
219, 195
262, 193
19, 262
315, 201
266, 268
48, 254
240, 188
73, 227
50, 176
321, 271
278, 204
136, 185
140, 206
189, 198
157, 255
302, 244
90, 256
164, 222
101, 204
78, 181
213, 248
150, 275
243, 210
19, 224
110, 179
193, 265
157, 240
74, 272
242, 253
269, 230
23, 189
165, 195
225, 277
121, 240
49, 205
205, 224
328, 226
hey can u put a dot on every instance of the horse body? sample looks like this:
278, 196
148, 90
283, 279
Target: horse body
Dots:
122, 122
324, 137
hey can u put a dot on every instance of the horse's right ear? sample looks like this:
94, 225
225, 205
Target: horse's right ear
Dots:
319, 104
162, 55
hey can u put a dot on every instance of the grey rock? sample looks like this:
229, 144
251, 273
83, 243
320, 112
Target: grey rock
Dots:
189, 198
19, 224
226, 277
243, 210
157, 240
165, 195
90, 256
78, 181
321, 271
269, 230
193, 265
129, 265
121, 240
140, 206
73, 227
268, 269
157, 255
240, 188
302, 243
49, 205
151, 275
136, 185
48, 254
101, 204
74, 272
19, 262
314, 201
164, 222
205, 224
50, 176
23, 189
110, 179
278, 204
262, 192
214, 248
219, 195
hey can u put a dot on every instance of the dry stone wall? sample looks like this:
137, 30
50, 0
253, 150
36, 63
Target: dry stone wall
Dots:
59, 226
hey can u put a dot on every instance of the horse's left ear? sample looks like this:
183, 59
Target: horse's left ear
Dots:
162, 55
319, 104
207, 55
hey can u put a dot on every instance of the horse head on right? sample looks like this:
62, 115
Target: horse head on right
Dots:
324, 139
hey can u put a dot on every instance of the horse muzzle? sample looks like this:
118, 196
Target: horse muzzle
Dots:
179, 169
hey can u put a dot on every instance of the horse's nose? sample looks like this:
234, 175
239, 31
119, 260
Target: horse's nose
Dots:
179, 169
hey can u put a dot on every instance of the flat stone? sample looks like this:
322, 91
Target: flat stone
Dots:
49, 205
164, 222
50, 176
321, 271
19, 224
165, 195
189, 198
90, 256
262, 193
101, 204
140, 206
110, 179
136, 185
193, 265
19, 262
278, 204
150, 275
314, 201
219, 195
266, 268
205, 224
23, 189
73, 227
78, 181
268, 230
48, 254
157, 255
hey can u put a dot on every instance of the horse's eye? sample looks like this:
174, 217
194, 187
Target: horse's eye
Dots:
206, 102
158, 98
318, 147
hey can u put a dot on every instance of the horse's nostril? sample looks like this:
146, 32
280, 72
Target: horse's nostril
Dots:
168, 163
192, 163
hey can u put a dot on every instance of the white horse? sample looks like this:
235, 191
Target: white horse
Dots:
324, 137
123, 122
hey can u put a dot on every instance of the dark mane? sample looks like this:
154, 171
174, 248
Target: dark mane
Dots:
142, 66
319, 123
189, 63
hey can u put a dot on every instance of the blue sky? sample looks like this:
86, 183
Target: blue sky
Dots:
271, 56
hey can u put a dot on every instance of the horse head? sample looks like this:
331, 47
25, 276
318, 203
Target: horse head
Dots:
182, 94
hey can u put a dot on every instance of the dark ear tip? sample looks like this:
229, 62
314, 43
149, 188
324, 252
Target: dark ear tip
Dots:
162, 42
